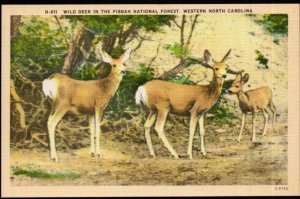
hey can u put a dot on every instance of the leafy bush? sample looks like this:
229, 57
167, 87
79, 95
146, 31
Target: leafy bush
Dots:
38, 47
86, 71
261, 59
109, 24
124, 99
177, 50
275, 23
219, 112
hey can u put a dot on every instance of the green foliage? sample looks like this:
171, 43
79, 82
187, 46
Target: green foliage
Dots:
124, 98
117, 52
219, 112
39, 173
177, 50
86, 71
226, 86
261, 59
38, 46
109, 24
276, 40
275, 23
181, 80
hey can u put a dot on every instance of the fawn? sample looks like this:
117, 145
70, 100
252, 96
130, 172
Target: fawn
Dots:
253, 101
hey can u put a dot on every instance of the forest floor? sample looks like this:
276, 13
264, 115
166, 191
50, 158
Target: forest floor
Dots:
129, 163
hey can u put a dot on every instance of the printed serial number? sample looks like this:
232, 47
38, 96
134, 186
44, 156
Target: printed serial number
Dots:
281, 188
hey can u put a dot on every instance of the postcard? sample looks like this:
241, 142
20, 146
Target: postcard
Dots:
150, 100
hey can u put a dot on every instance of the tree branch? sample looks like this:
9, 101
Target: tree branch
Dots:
191, 32
61, 29
173, 71
182, 38
153, 59
174, 21
18, 105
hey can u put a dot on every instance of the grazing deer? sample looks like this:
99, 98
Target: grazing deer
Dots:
253, 101
162, 97
83, 97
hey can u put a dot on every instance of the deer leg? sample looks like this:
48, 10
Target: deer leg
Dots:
253, 127
273, 109
52, 123
148, 124
98, 117
202, 133
193, 124
266, 117
242, 127
92, 131
159, 127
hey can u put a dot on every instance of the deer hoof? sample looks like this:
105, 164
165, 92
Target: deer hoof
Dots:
204, 153
54, 159
176, 156
99, 156
153, 155
239, 140
92, 154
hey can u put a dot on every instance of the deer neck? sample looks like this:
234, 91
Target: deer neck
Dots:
242, 96
111, 83
215, 86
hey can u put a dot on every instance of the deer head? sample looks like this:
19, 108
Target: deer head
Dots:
118, 66
237, 84
219, 68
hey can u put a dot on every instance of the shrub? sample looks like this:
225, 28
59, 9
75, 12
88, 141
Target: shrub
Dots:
275, 23
261, 59
124, 99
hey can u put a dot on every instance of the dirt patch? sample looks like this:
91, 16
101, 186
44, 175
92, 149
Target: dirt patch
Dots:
226, 163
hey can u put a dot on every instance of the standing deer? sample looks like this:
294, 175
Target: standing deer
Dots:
162, 97
83, 97
253, 101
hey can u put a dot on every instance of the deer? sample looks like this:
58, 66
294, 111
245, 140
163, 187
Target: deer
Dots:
162, 97
252, 101
83, 97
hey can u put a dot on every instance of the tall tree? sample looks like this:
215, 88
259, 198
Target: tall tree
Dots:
81, 43
15, 25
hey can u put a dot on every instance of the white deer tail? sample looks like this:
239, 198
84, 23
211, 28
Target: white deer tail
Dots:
141, 95
49, 88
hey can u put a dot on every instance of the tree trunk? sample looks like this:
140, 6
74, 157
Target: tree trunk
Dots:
82, 41
173, 71
15, 25
14, 30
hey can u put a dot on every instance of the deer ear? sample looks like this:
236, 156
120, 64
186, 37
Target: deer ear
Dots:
105, 57
226, 56
126, 55
238, 77
245, 78
207, 56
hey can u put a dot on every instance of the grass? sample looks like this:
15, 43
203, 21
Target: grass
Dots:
43, 174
